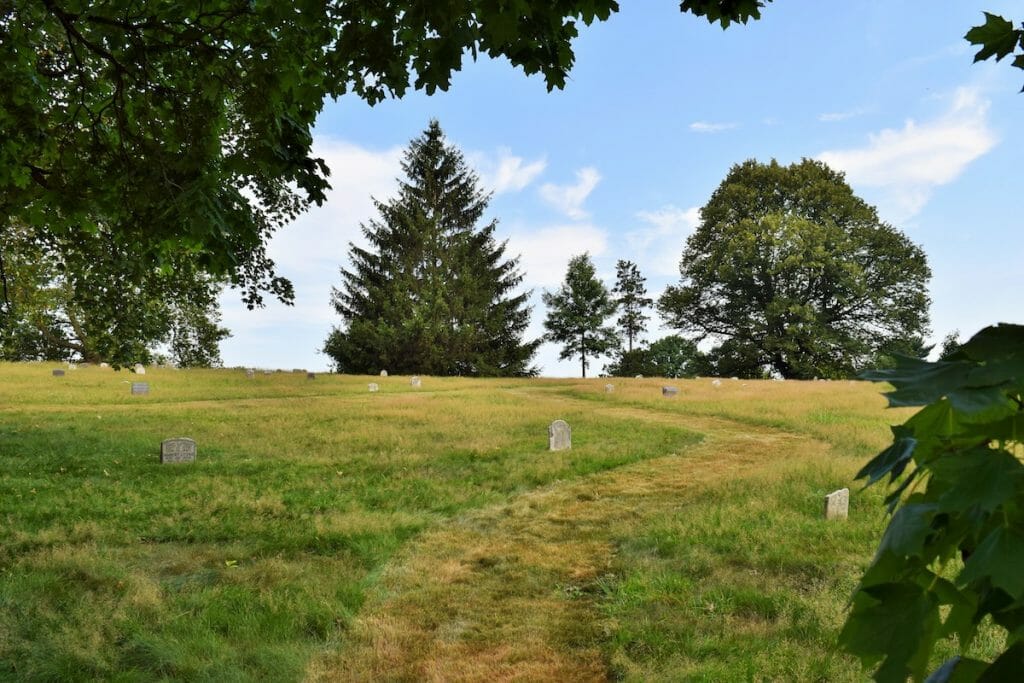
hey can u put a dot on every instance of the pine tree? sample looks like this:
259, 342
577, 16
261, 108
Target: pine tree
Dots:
433, 292
577, 311
631, 298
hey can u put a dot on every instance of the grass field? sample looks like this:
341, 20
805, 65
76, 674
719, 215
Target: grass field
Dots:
329, 533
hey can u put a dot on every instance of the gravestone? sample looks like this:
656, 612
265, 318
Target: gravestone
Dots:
250, 374
837, 504
716, 382
383, 373
139, 369
415, 382
559, 436
310, 375
639, 377
139, 388
373, 386
669, 391
609, 388
58, 373
177, 450
104, 365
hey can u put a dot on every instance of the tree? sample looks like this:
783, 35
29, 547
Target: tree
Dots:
189, 124
671, 356
433, 293
950, 345
631, 298
577, 313
83, 299
797, 273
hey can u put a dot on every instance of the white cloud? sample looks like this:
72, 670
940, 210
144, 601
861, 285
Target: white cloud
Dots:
569, 198
831, 117
506, 173
706, 127
908, 164
545, 252
658, 245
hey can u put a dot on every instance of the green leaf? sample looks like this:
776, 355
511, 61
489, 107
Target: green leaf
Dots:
1009, 666
996, 341
987, 404
919, 382
982, 477
999, 559
996, 37
893, 460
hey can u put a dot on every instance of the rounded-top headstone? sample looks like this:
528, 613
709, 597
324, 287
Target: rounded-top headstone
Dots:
182, 449
250, 373
383, 373
139, 369
639, 377
837, 504
716, 382
559, 436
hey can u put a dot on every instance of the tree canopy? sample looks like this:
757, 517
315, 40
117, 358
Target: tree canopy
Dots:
187, 125
631, 298
577, 312
433, 293
797, 274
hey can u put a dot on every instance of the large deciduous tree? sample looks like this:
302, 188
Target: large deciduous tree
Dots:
434, 292
797, 274
188, 124
631, 297
577, 312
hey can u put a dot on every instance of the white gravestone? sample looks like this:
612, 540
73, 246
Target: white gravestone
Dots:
609, 388
559, 436
383, 373
178, 450
716, 382
373, 386
837, 504
669, 391
139, 369
415, 383
250, 373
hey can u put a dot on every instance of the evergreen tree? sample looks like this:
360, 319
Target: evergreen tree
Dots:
577, 311
631, 298
432, 294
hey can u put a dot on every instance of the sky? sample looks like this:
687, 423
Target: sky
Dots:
658, 107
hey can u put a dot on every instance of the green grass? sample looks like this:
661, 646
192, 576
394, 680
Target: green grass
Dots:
273, 555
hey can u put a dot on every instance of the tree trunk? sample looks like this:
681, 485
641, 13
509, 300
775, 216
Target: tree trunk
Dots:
583, 354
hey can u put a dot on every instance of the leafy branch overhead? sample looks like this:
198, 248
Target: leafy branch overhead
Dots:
998, 38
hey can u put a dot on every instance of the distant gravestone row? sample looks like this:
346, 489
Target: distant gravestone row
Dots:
559, 436
181, 449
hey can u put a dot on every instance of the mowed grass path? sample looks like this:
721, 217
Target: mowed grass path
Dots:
329, 533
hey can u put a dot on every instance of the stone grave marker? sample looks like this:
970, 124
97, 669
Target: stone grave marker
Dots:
250, 373
181, 449
716, 382
639, 377
373, 386
837, 504
415, 382
58, 373
669, 391
104, 365
310, 375
139, 369
140, 388
383, 373
609, 388
559, 436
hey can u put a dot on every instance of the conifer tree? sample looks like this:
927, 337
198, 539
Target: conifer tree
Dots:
577, 311
631, 298
433, 291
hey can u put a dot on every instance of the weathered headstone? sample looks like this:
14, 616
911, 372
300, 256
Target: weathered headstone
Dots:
716, 382
177, 450
609, 388
139, 369
373, 386
639, 377
310, 375
383, 373
140, 388
669, 391
104, 365
415, 382
559, 436
837, 504
58, 373
250, 373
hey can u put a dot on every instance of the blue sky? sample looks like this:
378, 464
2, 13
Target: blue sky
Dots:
657, 109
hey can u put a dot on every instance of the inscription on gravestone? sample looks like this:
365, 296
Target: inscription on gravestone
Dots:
559, 436
140, 388
669, 391
415, 382
178, 450
373, 386
58, 373
837, 504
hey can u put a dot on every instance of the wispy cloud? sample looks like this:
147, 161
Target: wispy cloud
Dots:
545, 252
659, 243
506, 172
907, 164
569, 198
831, 117
708, 127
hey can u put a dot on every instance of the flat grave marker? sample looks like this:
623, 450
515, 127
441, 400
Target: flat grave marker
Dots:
373, 386
58, 373
181, 449
140, 388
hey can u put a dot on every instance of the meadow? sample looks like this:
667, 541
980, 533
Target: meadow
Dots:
329, 533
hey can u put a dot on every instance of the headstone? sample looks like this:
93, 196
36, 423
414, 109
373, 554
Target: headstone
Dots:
104, 365
559, 436
373, 386
72, 366
669, 391
58, 373
140, 388
383, 373
609, 388
735, 379
415, 382
177, 450
837, 504
716, 382
639, 377
310, 375
139, 369
268, 372
250, 373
